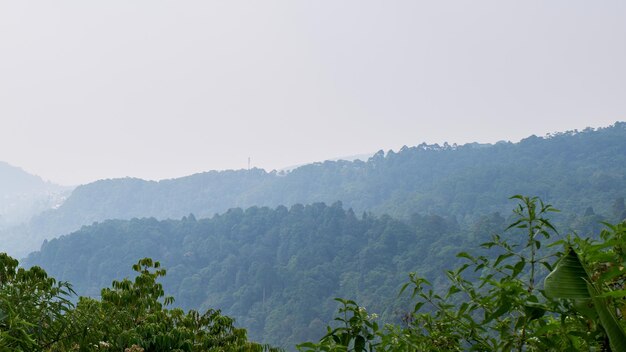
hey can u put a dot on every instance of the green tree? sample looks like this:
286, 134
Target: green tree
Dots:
497, 303
36, 315
133, 313
33, 308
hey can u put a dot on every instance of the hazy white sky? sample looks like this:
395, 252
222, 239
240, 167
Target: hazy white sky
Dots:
160, 89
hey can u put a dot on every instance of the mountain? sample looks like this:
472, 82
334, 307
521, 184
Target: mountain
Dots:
276, 268
575, 169
22, 196
361, 157
14, 180
276, 271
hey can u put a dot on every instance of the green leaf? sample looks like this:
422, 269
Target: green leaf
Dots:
403, 288
614, 294
534, 310
453, 289
519, 266
586, 308
464, 255
359, 344
505, 308
570, 280
502, 257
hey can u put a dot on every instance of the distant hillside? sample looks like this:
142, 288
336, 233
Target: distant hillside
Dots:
23, 195
14, 180
361, 157
575, 169
275, 270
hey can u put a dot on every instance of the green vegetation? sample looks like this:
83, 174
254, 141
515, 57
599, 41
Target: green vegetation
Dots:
579, 170
276, 271
37, 315
580, 307
516, 294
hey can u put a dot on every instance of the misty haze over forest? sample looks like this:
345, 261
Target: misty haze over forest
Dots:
169, 178
442, 198
173, 89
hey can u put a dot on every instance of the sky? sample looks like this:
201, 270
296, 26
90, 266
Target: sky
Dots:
160, 89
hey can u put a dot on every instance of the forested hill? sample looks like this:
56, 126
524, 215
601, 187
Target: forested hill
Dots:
275, 270
575, 170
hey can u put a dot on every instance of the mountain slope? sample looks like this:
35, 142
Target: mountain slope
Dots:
23, 196
577, 170
574, 169
275, 270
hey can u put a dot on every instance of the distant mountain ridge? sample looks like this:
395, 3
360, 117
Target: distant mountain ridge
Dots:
14, 180
361, 157
277, 268
576, 169
23, 195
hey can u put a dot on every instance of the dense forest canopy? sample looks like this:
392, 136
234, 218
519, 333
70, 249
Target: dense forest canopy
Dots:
579, 170
497, 298
275, 270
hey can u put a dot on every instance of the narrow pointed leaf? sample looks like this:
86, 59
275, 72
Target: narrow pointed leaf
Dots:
617, 336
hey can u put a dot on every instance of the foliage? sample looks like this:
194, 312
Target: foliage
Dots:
575, 169
570, 280
33, 307
274, 270
503, 309
36, 315
357, 331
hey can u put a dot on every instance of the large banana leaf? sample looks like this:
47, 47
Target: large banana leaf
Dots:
570, 280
